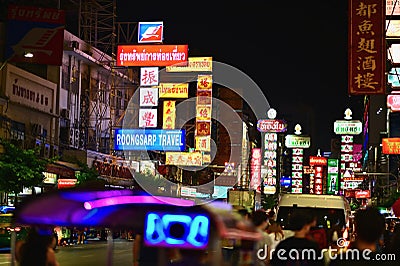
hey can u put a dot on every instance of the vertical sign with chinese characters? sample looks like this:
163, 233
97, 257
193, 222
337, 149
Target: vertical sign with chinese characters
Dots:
367, 49
203, 113
318, 164
255, 169
148, 97
148, 118
268, 167
169, 115
297, 170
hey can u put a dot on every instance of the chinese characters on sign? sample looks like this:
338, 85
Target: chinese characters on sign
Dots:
148, 97
204, 82
148, 118
268, 166
203, 128
367, 53
149, 76
297, 170
203, 113
169, 115
255, 169
183, 158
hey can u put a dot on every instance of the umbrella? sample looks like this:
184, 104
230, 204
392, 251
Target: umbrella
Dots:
396, 207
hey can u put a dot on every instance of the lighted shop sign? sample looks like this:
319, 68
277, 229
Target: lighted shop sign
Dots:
391, 145
393, 102
66, 183
184, 158
173, 90
194, 64
271, 125
150, 32
161, 230
152, 55
318, 160
344, 127
294, 141
149, 139
362, 194
393, 75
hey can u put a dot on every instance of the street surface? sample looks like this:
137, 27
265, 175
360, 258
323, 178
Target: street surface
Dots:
93, 253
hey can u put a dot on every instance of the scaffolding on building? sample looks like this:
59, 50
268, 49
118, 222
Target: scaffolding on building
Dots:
99, 28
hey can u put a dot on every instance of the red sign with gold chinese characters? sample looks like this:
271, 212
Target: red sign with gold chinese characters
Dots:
367, 49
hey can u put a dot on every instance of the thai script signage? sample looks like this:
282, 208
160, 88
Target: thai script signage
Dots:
29, 90
66, 183
173, 90
391, 145
345, 127
318, 160
147, 139
271, 125
194, 64
151, 55
294, 141
367, 54
37, 30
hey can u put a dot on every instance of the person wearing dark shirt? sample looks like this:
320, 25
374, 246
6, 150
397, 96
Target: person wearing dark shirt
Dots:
369, 226
298, 249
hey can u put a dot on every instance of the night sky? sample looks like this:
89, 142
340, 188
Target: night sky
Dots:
296, 51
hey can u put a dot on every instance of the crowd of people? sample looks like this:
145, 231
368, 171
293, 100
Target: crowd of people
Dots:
374, 241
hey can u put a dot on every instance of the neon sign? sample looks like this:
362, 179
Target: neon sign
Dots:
176, 230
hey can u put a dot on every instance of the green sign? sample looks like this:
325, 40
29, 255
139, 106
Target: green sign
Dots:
294, 141
345, 127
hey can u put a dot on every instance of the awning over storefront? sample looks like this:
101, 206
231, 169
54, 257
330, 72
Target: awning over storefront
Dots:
63, 169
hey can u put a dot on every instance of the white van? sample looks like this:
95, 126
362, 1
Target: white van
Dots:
333, 212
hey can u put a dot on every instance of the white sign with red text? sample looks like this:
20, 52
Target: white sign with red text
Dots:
148, 97
149, 76
148, 118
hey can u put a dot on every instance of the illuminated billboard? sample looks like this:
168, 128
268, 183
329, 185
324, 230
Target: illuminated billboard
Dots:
149, 139
152, 55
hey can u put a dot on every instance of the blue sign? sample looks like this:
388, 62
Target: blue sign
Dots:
149, 32
149, 140
286, 181
177, 230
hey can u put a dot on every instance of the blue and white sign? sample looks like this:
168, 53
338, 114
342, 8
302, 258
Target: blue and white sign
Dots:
149, 139
150, 32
